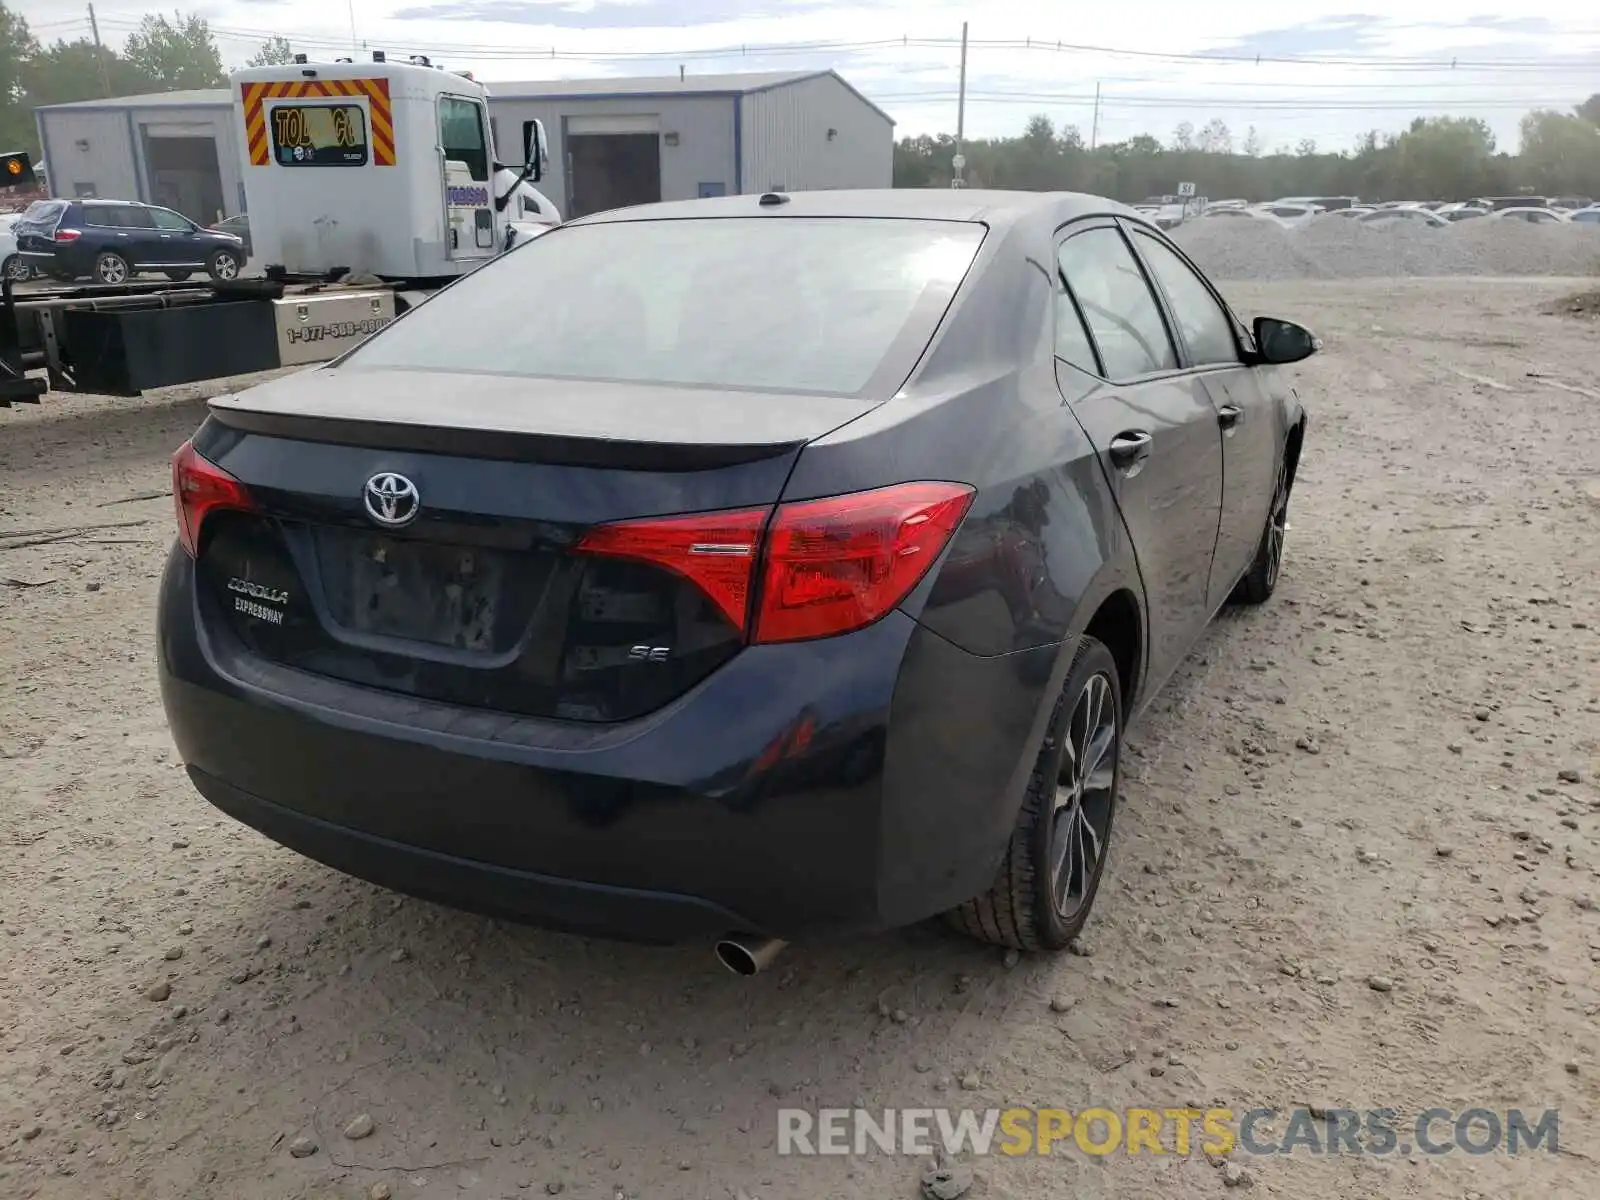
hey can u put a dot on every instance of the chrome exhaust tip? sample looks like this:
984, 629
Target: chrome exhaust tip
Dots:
744, 955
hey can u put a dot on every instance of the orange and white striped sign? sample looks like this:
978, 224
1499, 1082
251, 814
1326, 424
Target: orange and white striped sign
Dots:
374, 91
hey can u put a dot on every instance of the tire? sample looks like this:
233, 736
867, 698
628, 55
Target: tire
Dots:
1022, 910
111, 268
15, 269
1261, 580
177, 276
223, 265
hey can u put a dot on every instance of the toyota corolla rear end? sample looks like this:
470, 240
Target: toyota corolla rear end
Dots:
534, 624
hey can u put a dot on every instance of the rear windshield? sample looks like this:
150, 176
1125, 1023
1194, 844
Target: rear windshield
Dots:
44, 210
773, 303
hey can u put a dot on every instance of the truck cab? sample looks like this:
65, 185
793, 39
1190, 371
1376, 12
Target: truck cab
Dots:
382, 169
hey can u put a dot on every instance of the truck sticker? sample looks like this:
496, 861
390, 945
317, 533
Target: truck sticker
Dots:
374, 91
333, 330
468, 197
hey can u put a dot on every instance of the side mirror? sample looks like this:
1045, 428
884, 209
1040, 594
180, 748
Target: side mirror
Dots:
1282, 342
535, 150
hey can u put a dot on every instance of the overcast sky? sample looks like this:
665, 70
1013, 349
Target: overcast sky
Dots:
1193, 61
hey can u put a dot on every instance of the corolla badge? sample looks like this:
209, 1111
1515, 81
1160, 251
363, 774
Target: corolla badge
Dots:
391, 500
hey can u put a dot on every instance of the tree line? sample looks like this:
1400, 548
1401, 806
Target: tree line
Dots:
164, 54
1433, 158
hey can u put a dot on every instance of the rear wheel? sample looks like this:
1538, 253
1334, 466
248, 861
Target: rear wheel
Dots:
1261, 580
15, 269
111, 268
1047, 882
223, 265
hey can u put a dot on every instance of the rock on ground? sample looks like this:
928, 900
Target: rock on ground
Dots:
1440, 561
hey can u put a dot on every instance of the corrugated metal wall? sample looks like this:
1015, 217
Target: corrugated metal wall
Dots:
702, 125
786, 146
103, 149
89, 150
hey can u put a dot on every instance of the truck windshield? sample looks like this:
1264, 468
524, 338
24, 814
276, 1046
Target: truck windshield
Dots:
773, 303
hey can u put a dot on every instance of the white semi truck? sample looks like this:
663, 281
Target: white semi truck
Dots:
368, 185
382, 169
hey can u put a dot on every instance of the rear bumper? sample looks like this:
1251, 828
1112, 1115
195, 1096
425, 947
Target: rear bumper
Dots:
718, 812
633, 913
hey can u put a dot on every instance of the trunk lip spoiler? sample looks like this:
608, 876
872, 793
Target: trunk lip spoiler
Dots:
499, 445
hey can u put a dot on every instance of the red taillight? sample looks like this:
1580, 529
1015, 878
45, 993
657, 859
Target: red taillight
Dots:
66, 235
838, 564
200, 487
716, 550
829, 566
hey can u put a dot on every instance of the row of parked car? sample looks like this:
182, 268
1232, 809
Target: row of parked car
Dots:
1296, 210
112, 241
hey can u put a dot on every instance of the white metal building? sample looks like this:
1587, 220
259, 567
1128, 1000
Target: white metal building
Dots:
613, 142
177, 149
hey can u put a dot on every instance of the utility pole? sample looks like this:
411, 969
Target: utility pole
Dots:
355, 42
958, 164
1094, 130
99, 53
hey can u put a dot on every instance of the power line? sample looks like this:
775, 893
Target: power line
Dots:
1221, 102
1541, 63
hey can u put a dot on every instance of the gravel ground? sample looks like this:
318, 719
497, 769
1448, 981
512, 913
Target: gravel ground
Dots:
1332, 247
1354, 866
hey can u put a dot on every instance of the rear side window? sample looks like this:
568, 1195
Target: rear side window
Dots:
1072, 339
802, 304
104, 215
1117, 303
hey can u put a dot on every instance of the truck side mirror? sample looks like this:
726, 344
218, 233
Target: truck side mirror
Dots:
535, 152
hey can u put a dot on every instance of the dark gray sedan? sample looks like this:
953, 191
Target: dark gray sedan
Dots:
799, 574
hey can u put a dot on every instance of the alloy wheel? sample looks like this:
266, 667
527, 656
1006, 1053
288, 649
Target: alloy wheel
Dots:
111, 270
1277, 526
1081, 820
227, 266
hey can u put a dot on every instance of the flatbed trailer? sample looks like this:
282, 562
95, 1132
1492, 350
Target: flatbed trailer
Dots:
129, 339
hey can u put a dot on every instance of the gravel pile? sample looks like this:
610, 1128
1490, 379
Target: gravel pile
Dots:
1331, 247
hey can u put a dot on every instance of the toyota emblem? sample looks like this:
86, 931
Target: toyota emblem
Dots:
391, 500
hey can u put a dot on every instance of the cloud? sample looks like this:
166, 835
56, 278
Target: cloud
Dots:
1350, 35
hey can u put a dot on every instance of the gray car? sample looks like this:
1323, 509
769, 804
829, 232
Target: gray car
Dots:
804, 583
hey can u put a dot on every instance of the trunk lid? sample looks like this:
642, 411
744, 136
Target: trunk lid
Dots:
480, 599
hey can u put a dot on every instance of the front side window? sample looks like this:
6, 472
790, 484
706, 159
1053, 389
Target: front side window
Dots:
1117, 303
1205, 325
318, 135
170, 221
461, 135
797, 304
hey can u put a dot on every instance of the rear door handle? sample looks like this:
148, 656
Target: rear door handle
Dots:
1229, 415
1129, 449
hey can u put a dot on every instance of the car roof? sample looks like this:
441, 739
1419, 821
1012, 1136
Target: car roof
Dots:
994, 208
